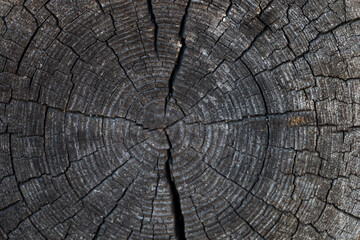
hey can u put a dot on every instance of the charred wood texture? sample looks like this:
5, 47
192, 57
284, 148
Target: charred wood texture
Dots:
179, 119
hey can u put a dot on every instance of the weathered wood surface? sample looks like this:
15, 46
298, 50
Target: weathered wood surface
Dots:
165, 119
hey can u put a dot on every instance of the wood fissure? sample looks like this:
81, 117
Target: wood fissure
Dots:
179, 223
156, 27
180, 56
166, 119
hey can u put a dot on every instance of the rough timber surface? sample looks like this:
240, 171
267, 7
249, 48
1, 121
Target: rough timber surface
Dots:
179, 119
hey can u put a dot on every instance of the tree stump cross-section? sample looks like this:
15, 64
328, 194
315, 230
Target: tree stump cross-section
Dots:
179, 119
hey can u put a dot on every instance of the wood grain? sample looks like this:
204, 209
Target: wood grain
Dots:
179, 119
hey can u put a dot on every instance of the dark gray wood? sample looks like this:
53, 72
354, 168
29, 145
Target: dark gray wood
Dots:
169, 119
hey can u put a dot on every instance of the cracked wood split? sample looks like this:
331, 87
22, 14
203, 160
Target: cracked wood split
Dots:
263, 127
180, 56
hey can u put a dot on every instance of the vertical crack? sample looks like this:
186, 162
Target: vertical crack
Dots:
229, 8
27, 48
104, 219
156, 27
156, 192
197, 214
128, 237
100, 6
262, 95
118, 59
179, 223
179, 57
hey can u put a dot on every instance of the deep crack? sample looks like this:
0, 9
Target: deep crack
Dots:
156, 27
179, 57
31, 40
179, 223
229, 8
259, 103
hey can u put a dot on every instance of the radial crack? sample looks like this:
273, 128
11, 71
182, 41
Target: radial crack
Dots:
179, 57
121, 66
243, 219
27, 47
156, 27
261, 91
179, 223
229, 8
197, 214
96, 235
100, 6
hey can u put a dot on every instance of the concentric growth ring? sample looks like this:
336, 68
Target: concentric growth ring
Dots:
177, 119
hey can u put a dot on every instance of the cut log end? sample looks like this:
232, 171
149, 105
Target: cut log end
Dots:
151, 119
